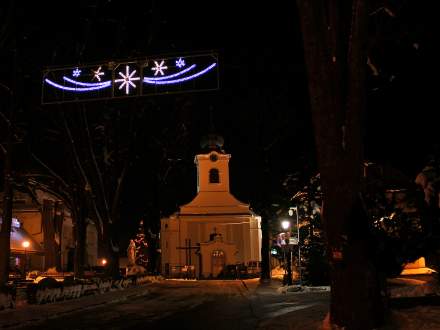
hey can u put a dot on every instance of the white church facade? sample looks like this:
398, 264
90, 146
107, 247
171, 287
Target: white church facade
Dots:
215, 229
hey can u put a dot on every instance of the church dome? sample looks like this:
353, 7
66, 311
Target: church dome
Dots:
212, 142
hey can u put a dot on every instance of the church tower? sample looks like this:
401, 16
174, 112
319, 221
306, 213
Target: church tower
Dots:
213, 192
213, 166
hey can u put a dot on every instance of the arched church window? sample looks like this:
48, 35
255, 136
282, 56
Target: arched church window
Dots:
214, 176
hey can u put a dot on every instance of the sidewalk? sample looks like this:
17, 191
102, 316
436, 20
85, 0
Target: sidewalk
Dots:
298, 314
414, 303
27, 314
277, 287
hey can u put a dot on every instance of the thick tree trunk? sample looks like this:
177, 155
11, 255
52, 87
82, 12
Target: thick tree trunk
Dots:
112, 255
8, 192
334, 36
265, 251
5, 231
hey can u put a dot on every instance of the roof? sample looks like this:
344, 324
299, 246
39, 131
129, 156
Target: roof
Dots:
215, 202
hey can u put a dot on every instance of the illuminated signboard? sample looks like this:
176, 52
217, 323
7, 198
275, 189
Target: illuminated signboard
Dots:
159, 75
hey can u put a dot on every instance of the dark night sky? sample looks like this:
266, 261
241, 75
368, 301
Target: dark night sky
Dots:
262, 102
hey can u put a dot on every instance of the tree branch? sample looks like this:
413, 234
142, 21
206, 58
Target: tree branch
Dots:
95, 163
81, 170
52, 172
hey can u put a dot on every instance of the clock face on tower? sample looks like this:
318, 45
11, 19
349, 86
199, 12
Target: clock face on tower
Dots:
213, 157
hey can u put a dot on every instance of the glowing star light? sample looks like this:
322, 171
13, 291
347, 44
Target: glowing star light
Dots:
76, 72
159, 68
180, 62
127, 79
97, 74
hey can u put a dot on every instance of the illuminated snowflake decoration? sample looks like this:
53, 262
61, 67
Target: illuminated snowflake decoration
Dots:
127, 79
180, 62
97, 74
159, 68
76, 72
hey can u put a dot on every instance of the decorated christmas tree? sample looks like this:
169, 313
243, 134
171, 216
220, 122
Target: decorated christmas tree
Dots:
141, 246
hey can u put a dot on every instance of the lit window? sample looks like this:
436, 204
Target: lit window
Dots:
218, 253
214, 176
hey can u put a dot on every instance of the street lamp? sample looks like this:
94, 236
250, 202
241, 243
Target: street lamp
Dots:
299, 246
25, 245
285, 224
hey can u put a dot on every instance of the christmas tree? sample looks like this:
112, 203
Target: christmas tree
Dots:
141, 246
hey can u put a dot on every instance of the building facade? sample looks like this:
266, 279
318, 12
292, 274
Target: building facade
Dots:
46, 225
215, 229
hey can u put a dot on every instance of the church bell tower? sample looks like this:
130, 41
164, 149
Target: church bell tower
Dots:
212, 166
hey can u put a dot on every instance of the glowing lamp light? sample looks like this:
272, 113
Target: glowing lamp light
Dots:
285, 224
291, 210
25, 244
104, 262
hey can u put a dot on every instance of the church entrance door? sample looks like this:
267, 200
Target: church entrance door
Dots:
217, 262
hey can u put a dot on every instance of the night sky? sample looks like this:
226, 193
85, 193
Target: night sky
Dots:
261, 108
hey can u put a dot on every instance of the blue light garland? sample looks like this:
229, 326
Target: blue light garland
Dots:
81, 87
108, 82
77, 89
175, 81
171, 75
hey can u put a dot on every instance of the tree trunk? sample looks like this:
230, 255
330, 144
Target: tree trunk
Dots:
5, 231
334, 37
8, 197
112, 255
50, 246
265, 251
58, 225
80, 240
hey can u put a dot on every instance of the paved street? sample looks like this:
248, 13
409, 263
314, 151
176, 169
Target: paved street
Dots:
200, 305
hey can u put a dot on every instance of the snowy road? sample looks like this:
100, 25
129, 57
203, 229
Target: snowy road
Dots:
205, 305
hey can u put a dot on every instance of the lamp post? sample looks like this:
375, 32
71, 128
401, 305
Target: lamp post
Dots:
25, 245
285, 224
299, 246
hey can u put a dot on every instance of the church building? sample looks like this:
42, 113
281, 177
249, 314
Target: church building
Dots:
215, 229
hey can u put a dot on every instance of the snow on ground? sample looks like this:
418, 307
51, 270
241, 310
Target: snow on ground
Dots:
417, 318
302, 289
415, 304
413, 287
